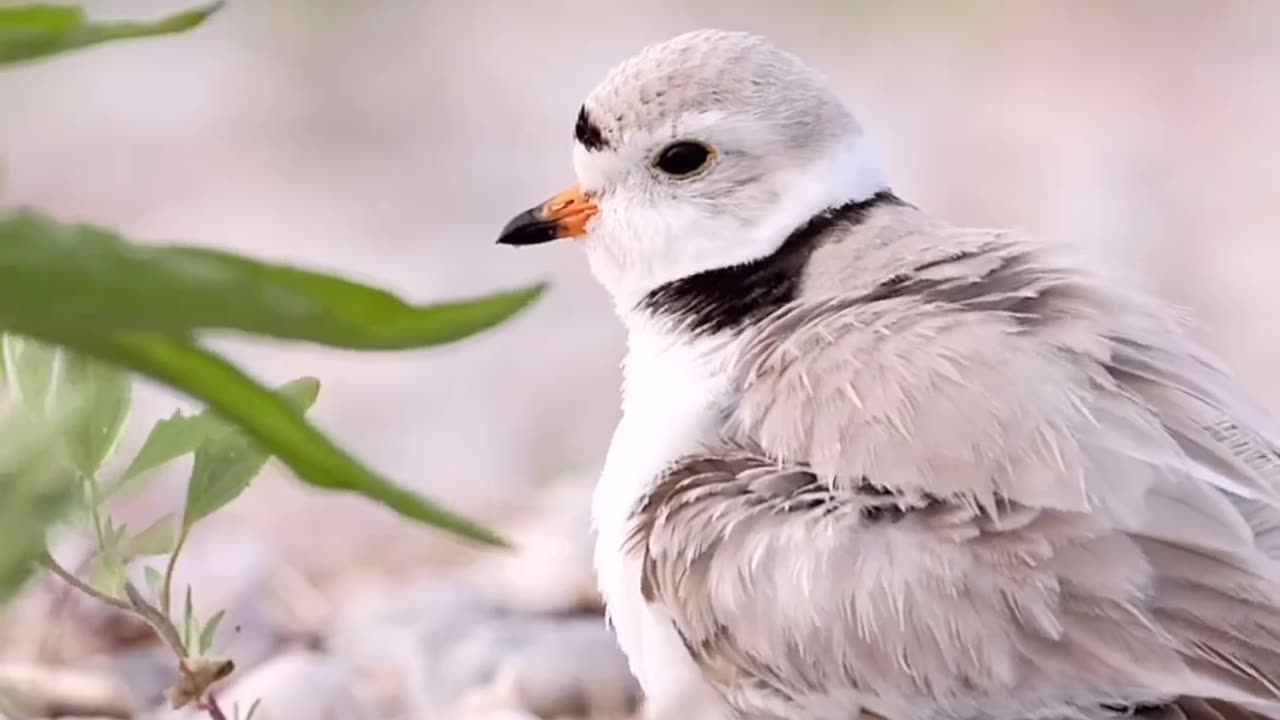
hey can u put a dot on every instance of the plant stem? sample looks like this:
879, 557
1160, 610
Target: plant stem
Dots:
167, 586
211, 706
158, 620
95, 502
52, 565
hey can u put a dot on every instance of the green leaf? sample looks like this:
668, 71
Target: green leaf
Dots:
37, 488
138, 306
107, 286
56, 382
33, 367
272, 422
105, 392
113, 534
108, 574
168, 440
189, 623
155, 580
155, 539
107, 571
32, 31
230, 459
210, 632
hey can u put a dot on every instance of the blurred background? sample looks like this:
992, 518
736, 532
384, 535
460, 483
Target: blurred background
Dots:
391, 139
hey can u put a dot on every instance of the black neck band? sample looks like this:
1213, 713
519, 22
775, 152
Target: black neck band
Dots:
717, 300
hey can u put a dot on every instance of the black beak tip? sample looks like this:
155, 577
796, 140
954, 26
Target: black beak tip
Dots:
528, 228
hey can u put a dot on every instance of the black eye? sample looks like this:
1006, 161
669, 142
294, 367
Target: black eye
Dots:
683, 158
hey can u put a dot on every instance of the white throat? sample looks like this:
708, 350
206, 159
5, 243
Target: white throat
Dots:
852, 172
631, 262
676, 383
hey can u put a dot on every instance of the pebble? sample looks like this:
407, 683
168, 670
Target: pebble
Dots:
552, 667
297, 685
35, 690
551, 568
499, 714
380, 637
452, 651
148, 672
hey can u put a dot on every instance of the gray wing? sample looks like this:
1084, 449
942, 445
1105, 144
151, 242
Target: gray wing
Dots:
987, 488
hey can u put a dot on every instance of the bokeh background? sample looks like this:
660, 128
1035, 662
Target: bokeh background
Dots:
391, 139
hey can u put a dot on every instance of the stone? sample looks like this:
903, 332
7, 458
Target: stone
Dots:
148, 672
550, 569
553, 667
383, 637
498, 714
449, 649
34, 690
298, 685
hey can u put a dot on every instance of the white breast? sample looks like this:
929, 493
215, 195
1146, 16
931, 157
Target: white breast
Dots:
671, 392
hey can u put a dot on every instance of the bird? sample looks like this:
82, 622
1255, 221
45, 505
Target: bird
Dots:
871, 464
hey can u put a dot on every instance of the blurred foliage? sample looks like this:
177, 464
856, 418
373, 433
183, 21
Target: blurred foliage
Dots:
28, 32
37, 490
64, 415
187, 288
140, 306
82, 307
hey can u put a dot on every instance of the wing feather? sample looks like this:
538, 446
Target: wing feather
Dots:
987, 482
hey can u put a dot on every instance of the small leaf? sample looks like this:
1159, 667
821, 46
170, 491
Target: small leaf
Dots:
230, 459
189, 624
300, 393
108, 575
105, 392
33, 367
37, 490
108, 570
111, 535
169, 440
210, 631
156, 539
155, 580
117, 535
33, 31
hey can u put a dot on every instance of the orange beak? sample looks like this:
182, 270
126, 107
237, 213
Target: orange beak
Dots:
563, 216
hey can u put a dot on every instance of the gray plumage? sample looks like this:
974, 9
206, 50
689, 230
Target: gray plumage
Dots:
1083, 504
934, 472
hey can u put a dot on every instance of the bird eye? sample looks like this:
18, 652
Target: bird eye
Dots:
683, 158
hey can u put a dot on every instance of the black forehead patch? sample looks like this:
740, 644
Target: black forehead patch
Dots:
587, 132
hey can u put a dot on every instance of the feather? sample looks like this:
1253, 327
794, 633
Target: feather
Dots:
984, 485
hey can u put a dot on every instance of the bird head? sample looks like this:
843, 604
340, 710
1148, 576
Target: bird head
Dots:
702, 152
